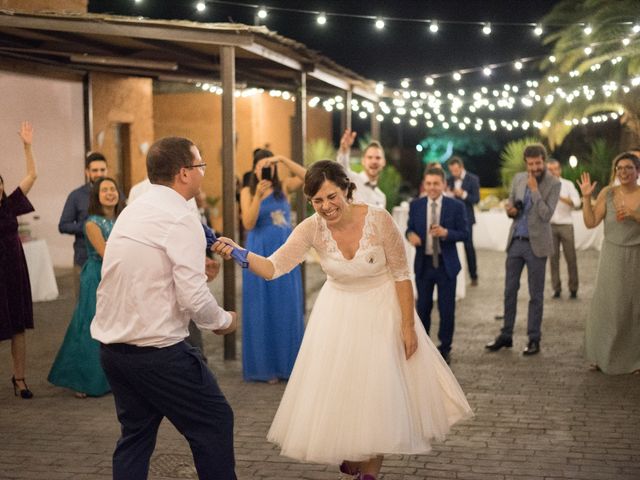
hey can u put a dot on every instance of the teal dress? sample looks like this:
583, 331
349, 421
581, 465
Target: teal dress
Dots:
77, 365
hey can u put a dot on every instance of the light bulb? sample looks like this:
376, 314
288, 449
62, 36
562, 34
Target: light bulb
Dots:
538, 30
486, 29
322, 19
433, 27
262, 13
201, 6
379, 24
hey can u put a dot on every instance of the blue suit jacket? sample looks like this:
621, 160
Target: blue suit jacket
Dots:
453, 217
471, 185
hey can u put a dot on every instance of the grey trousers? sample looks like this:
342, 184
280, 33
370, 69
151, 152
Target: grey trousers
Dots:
563, 235
520, 254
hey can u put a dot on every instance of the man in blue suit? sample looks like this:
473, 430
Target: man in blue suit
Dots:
465, 186
435, 224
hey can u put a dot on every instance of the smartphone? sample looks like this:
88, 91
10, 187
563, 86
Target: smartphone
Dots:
266, 173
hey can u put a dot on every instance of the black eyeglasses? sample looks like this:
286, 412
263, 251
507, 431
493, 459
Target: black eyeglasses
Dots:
199, 165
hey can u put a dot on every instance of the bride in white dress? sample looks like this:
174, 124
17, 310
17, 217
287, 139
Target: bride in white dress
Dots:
367, 381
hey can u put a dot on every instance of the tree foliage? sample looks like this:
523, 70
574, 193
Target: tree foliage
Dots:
610, 61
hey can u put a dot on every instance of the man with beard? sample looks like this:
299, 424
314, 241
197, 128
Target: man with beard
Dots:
532, 201
373, 161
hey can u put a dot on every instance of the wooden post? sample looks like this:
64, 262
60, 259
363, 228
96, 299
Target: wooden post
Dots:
299, 152
227, 64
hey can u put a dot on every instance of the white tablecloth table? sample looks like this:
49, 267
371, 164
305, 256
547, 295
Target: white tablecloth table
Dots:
401, 216
491, 231
41, 276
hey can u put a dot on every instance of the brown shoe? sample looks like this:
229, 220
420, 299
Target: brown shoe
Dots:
474, 282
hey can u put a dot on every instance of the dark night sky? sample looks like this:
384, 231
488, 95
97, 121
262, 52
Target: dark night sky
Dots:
402, 49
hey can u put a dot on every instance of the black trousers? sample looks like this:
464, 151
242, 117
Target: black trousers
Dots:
470, 252
149, 384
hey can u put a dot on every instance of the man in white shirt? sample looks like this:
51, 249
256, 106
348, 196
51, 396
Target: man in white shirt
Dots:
366, 181
562, 229
154, 279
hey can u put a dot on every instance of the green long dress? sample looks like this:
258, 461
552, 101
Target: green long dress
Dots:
612, 335
77, 365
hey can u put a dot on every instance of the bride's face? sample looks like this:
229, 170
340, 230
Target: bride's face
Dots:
330, 202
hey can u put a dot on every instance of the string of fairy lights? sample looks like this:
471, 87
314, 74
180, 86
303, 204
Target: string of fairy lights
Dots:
419, 103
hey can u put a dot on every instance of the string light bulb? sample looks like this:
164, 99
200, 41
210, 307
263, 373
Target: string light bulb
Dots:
429, 81
636, 28
405, 83
588, 30
588, 50
486, 71
552, 58
538, 30
200, 6
322, 19
626, 42
433, 27
457, 76
518, 65
486, 29
262, 13
379, 24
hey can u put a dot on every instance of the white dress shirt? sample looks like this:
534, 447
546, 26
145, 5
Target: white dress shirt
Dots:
562, 213
430, 221
366, 192
457, 184
153, 278
144, 186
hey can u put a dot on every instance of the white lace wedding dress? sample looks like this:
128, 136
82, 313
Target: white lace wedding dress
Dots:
352, 394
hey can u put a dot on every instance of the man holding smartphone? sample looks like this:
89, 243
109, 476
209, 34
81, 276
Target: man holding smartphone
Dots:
435, 224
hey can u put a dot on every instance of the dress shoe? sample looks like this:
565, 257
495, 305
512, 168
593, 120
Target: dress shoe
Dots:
533, 347
446, 357
24, 393
574, 294
556, 294
474, 282
498, 343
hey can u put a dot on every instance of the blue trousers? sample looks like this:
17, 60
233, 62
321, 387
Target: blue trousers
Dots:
149, 384
425, 284
520, 254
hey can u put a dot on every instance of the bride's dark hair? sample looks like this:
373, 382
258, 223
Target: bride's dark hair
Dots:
323, 170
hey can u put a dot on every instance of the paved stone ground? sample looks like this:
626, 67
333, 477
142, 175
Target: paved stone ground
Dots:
546, 417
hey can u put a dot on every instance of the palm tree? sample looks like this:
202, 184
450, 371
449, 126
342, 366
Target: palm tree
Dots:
614, 57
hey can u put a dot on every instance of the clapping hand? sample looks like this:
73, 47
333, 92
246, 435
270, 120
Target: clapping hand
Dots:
26, 133
586, 187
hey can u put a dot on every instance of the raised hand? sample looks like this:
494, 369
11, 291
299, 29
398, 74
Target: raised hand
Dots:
26, 132
586, 187
532, 183
348, 137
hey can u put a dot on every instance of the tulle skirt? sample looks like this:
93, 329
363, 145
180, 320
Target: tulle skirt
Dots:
352, 394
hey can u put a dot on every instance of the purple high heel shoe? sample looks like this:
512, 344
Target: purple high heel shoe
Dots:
346, 469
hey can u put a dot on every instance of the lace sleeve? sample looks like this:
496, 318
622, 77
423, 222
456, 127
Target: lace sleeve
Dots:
295, 248
393, 245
